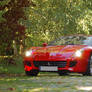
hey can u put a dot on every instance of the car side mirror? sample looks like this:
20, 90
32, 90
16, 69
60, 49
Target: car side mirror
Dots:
44, 44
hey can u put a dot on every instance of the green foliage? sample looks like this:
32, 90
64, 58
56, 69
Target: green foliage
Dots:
11, 11
50, 19
1, 18
45, 19
4, 2
2, 9
8, 65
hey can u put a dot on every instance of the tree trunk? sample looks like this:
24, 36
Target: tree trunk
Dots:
15, 48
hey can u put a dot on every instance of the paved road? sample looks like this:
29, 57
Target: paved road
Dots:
46, 82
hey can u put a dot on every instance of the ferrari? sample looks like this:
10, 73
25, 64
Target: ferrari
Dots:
67, 54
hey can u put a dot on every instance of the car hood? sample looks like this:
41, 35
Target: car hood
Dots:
64, 51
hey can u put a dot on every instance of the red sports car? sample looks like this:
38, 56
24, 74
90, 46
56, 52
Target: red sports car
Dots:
64, 55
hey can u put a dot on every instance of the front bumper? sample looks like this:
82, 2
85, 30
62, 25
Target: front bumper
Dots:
72, 65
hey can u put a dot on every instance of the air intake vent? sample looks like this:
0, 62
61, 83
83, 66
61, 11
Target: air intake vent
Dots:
72, 63
50, 63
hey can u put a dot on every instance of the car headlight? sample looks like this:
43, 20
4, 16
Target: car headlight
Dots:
78, 53
28, 53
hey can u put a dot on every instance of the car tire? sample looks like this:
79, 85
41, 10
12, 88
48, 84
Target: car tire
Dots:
62, 73
89, 67
32, 73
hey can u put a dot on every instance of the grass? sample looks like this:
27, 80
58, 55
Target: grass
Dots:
17, 68
46, 82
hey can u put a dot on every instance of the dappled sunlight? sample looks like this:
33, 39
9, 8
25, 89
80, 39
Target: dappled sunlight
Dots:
9, 79
46, 82
39, 25
86, 88
38, 89
14, 79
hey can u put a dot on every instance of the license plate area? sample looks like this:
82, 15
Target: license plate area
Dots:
48, 68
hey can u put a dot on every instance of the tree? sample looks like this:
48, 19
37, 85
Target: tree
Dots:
53, 18
10, 28
45, 20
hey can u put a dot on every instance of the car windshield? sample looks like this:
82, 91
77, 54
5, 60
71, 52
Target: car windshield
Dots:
72, 40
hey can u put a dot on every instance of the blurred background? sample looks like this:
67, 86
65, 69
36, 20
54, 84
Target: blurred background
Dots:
27, 23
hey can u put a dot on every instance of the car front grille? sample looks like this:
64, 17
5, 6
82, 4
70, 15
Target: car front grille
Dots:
61, 64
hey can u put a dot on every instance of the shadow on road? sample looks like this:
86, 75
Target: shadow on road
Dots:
57, 75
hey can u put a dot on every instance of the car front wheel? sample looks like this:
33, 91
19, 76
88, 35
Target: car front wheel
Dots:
89, 67
32, 73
